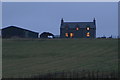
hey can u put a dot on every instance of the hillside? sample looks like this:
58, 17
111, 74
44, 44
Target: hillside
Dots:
22, 57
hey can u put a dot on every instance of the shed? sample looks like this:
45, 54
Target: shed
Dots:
17, 32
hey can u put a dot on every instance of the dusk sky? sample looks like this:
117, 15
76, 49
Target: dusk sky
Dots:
46, 16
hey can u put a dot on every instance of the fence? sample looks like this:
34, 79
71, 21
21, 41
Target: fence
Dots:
70, 75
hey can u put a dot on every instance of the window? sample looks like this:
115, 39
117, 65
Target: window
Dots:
88, 34
66, 34
77, 28
71, 34
88, 28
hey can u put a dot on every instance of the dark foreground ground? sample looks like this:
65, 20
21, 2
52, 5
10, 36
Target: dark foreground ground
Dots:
60, 58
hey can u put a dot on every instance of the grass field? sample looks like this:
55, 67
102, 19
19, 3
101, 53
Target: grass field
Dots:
22, 57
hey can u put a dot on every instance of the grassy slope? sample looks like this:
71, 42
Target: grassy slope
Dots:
27, 57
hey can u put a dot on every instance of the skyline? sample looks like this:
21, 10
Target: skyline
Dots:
46, 16
60, 1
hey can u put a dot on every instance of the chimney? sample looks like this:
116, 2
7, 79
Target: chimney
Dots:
62, 21
94, 21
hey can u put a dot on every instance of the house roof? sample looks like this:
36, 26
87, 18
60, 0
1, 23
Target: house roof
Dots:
18, 28
78, 24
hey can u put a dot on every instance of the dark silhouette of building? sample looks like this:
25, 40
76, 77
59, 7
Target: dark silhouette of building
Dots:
78, 29
46, 35
16, 32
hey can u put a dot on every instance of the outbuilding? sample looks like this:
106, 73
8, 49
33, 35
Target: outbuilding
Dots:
46, 35
17, 32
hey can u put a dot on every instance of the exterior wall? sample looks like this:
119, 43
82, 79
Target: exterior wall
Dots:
81, 33
29, 34
12, 32
92, 32
62, 32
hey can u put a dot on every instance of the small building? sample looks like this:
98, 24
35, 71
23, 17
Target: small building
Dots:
16, 32
78, 29
46, 35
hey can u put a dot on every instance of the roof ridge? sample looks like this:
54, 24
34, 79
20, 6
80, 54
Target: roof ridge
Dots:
78, 22
20, 28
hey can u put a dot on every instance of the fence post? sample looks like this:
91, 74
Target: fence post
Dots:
97, 74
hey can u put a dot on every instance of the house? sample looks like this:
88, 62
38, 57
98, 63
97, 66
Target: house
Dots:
16, 32
0, 33
78, 29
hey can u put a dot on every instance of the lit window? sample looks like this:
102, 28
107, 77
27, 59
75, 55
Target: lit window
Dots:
66, 34
77, 28
71, 34
88, 28
88, 34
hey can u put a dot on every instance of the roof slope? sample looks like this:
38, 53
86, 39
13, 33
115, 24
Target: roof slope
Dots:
78, 24
18, 28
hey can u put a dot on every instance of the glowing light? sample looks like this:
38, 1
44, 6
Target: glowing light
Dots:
66, 34
71, 34
77, 28
88, 34
88, 28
